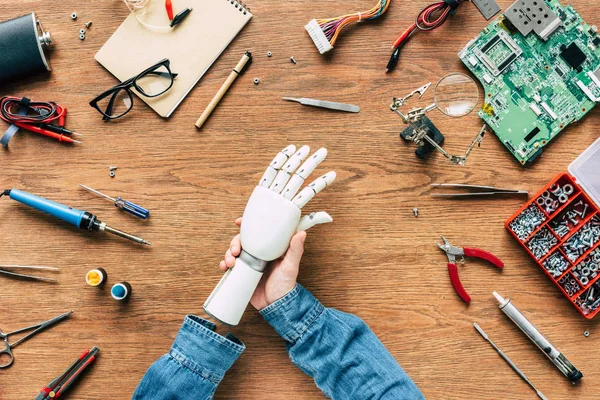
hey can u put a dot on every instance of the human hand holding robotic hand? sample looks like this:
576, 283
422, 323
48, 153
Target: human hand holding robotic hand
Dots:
270, 222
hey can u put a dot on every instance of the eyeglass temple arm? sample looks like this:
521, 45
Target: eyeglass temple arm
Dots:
111, 103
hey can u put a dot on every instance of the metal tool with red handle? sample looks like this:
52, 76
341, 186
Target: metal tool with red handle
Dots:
60, 385
452, 252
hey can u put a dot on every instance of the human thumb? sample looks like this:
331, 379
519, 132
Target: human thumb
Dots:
296, 249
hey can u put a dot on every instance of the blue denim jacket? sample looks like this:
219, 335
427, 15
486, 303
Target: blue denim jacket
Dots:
338, 350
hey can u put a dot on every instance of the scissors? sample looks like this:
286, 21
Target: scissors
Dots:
36, 329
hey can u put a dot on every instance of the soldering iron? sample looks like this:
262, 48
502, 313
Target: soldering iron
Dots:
81, 219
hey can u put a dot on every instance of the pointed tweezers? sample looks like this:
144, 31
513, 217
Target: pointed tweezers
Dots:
484, 190
3, 270
325, 104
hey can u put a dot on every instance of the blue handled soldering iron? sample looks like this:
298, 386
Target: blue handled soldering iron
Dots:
81, 219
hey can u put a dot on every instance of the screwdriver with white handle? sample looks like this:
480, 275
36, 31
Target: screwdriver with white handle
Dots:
122, 204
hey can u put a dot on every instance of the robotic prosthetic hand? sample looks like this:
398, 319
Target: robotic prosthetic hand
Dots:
271, 218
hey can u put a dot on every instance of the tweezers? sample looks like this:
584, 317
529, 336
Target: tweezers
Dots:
325, 104
484, 190
3, 270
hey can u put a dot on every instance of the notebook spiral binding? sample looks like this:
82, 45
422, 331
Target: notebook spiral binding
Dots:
239, 5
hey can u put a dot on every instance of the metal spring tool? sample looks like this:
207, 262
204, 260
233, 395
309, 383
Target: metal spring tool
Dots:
475, 190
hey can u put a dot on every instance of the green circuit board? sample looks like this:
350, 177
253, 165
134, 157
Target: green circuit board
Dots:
539, 64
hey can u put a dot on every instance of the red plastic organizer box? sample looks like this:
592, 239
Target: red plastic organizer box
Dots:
560, 229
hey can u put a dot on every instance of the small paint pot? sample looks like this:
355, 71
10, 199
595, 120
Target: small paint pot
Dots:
96, 277
121, 291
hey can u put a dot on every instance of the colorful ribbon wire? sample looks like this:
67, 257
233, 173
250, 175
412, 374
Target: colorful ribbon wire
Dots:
332, 27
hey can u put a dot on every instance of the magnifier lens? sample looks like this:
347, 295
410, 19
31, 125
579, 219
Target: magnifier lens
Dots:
456, 95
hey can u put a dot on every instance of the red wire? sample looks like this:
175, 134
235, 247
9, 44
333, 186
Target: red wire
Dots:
424, 22
52, 110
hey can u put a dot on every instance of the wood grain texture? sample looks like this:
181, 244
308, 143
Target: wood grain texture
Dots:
376, 260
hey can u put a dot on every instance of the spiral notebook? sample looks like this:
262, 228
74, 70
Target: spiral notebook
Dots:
192, 46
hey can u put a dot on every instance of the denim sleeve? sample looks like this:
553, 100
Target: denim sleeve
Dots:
194, 366
338, 350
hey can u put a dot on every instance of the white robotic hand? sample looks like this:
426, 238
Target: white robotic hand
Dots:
271, 218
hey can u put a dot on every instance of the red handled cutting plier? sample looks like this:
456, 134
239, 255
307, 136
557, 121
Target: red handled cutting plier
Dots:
452, 252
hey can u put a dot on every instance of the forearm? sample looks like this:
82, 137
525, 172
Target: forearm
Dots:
194, 366
338, 350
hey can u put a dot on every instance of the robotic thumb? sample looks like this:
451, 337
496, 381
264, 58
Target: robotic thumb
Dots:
312, 219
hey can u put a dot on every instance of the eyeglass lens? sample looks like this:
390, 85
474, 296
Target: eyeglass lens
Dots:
116, 104
155, 82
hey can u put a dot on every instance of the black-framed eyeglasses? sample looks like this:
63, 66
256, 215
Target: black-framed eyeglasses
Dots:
152, 82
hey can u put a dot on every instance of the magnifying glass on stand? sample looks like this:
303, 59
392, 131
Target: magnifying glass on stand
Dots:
455, 95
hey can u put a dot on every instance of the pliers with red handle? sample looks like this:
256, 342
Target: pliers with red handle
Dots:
452, 252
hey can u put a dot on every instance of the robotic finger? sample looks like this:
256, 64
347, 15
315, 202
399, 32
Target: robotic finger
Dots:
303, 172
315, 187
276, 165
312, 219
284, 174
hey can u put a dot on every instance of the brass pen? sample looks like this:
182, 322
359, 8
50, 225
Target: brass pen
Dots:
238, 70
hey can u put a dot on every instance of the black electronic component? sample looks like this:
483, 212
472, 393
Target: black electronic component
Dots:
424, 123
532, 134
596, 41
573, 55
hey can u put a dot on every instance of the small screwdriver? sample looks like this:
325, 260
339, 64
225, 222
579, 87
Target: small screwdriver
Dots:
81, 219
124, 205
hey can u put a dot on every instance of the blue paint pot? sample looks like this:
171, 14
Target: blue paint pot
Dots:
121, 291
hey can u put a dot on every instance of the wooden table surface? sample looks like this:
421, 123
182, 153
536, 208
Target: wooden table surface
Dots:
376, 260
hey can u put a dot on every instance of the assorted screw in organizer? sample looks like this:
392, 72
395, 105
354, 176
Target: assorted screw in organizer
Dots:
542, 243
588, 268
582, 240
527, 222
570, 219
569, 284
589, 301
556, 264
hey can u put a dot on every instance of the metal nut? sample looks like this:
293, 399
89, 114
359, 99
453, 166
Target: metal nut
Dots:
256, 81
586, 333
269, 54
82, 36
82, 31
111, 174
73, 16
568, 189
